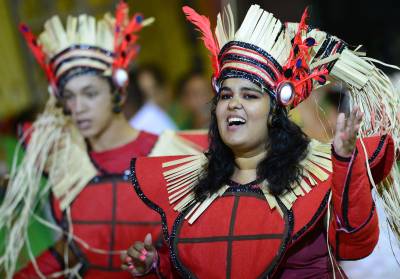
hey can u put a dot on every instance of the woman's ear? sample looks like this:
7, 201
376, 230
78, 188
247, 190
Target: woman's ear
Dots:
269, 120
272, 111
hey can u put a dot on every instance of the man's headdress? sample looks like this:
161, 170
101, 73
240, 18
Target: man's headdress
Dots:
86, 45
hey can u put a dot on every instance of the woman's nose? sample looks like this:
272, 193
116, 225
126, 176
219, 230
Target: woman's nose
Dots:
234, 103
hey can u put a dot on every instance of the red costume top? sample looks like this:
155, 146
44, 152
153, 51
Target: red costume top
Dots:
106, 215
239, 236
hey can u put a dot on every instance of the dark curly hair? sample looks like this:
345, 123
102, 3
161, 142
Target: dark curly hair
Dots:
286, 147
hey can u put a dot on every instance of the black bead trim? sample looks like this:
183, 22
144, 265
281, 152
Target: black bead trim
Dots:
148, 202
345, 200
314, 219
252, 47
256, 63
82, 47
289, 221
78, 58
250, 184
173, 251
378, 149
245, 189
235, 73
74, 72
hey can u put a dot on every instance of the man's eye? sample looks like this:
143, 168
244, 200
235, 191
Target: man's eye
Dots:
68, 96
91, 94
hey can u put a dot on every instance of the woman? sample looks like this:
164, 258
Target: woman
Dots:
266, 201
84, 143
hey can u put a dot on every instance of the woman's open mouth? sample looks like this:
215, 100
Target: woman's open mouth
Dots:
235, 122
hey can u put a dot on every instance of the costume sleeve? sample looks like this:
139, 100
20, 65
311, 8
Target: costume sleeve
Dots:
354, 229
48, 262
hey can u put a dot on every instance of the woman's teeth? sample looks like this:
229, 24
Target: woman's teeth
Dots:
236, 121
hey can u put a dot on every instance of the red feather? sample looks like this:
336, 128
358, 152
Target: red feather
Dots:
135, 24
301, 77
303, 22
203, 24
125, 47
38, 53
120, 16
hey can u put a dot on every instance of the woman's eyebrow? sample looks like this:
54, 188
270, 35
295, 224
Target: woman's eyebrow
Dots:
225, 88
251, 89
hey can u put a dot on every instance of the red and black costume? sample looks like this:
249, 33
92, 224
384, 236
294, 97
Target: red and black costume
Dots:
244, 231
106, 215
239, 236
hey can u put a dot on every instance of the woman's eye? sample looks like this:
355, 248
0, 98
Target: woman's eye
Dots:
225, 96
250, 96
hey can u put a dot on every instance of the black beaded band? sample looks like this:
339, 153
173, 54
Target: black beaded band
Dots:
82, 47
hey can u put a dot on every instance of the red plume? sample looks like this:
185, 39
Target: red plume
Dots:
125, 47
38, 53
203, 24
297, 66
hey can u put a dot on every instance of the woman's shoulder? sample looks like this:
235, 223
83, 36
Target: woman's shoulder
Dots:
162, 181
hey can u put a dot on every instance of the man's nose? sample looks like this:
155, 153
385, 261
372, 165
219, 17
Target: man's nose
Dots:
79, 105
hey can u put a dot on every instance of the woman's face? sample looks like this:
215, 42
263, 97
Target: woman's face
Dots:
242, 113
89, 99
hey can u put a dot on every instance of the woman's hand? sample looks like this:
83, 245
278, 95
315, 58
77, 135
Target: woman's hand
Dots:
140, 258
346, 132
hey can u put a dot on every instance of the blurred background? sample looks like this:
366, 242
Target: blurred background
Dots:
172, 45
171, 77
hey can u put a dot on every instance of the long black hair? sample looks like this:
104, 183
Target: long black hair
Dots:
286, 146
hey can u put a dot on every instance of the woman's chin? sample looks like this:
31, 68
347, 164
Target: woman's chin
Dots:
236, 144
